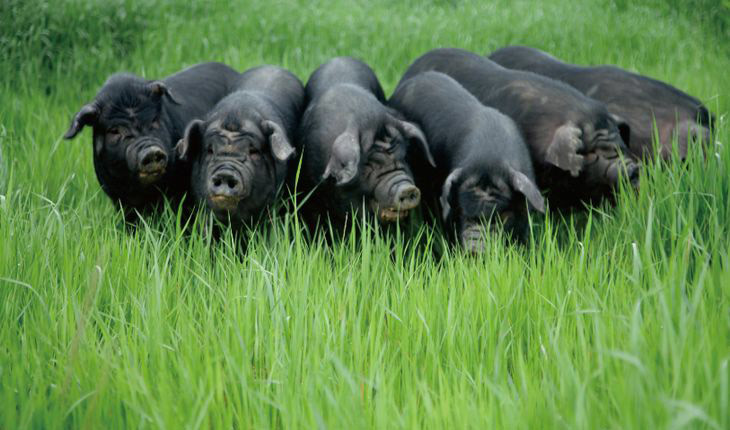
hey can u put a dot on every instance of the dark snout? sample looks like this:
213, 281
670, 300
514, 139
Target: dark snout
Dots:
623, 168
472, 238
226, 188
474, 234
407, 196
688, 133
394, 198
151, 163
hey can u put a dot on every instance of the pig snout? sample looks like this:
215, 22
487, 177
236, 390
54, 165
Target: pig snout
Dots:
407, 196
225, 189
151, 164
473, 238
395, 197
623, 168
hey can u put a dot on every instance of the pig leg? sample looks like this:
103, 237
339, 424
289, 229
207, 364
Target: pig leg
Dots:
563, 150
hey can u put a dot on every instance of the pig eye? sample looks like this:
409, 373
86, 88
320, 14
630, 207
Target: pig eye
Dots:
114, 134
210, 150
254, 153
155, 124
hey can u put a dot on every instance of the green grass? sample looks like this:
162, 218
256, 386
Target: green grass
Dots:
619, 318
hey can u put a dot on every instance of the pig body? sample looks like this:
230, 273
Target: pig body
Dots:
240, 153
576, 146
136, 124
483, 169
354, 147
640, 100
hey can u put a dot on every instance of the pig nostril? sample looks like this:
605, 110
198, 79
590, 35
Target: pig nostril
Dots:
217, 182
231, 183
153, 157
409, 196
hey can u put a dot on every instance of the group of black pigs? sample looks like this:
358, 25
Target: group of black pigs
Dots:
482, 140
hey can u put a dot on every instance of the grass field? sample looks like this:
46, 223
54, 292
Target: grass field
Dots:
618, 318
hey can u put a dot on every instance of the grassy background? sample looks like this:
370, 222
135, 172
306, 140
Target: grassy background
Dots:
616, 319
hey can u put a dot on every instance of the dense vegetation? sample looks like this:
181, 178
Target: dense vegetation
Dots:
615, 318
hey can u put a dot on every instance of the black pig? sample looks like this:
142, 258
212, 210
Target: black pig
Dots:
483, 168
576, 145
354, 147
240, 152
638, 99
137, 123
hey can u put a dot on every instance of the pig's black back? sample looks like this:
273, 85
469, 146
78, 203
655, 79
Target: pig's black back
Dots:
452, 119
343, 70
524, 96
638, 99
198, 89
609, 84
279, 85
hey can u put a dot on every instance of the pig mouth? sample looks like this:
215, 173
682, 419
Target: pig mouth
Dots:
150, 177
388, 215
223, 204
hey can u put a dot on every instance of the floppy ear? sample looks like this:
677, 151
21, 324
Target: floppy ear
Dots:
446, 193
411, 132
280, 146
563, 150
623, 128
189, 145
87, 115
527, 187
345, 158
159, 89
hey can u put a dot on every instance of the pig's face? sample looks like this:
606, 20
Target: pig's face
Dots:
596, 152
238, 165
374, 171
477, 203
606, 159
133, 137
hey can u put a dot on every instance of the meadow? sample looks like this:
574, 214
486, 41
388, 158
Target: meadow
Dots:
614, 317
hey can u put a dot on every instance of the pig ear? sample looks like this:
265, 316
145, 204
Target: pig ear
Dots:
280, 146
446, 193
412, 132
563, 150
189, 145
345, 159
87, 115
159, 89
527, 187
623, 128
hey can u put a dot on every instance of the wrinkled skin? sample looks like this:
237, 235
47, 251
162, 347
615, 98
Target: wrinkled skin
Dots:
240, 152
354, 147
483, 177
136, 124
577, 147
640, 100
